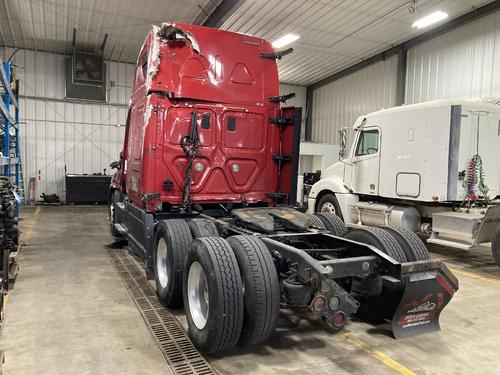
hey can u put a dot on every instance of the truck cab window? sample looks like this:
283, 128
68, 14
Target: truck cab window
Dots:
367, 143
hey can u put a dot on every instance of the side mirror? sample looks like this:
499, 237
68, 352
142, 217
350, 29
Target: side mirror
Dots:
342, 140
115, 165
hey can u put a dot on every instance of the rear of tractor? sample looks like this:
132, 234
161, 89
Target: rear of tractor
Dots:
232, 274
202, 194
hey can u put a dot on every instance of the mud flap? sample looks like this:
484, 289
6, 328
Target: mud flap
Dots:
428, 287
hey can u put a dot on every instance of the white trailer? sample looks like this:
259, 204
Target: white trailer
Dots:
431, 167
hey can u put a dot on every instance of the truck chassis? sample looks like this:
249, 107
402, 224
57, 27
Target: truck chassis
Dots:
315, 266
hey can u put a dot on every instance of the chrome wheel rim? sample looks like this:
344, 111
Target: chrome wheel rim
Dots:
161, 262
112, 213
328, 207
197, 290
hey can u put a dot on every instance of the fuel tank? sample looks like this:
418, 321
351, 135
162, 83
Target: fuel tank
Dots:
379, 214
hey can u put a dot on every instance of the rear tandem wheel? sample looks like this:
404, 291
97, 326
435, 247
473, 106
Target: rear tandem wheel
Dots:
379, 238
377, 302
213, 295
411, 244
172, 240
261, 288
202, 228
332, 223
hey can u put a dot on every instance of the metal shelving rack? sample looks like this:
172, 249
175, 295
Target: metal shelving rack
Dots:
9, 123
10, 162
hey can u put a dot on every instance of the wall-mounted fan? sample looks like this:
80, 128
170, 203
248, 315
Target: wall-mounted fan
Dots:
88, 69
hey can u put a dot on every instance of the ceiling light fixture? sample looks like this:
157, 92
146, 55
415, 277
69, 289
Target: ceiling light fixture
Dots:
284, 40
430, 19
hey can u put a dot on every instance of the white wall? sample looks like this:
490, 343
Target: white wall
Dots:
59, 135
300, 100
316, 156
338, 104
464, 63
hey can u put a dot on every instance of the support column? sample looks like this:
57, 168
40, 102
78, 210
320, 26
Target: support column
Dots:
401, 77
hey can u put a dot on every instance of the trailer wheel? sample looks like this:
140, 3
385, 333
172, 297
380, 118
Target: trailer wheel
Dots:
172, 240
112, 214
315, 222
202, 228
412, 245
332, 223
262, 288
213, 295
380, 239
329, 203
495, 246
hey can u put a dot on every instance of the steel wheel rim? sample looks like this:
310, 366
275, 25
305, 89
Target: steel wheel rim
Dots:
161, 262
197, 290
328, 207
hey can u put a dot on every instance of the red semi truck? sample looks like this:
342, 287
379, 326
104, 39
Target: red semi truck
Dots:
204, 190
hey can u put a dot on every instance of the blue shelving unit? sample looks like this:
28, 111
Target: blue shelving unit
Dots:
9, 122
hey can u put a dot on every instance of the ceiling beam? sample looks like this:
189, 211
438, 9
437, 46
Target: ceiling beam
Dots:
222, 12
473, 15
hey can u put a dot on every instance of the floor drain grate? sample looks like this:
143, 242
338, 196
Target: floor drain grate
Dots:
178, 350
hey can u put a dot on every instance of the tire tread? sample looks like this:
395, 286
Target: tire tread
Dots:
415, 245
227, 272
332, 223
390, 246
202, 228
180, 236
315, 222
265, 308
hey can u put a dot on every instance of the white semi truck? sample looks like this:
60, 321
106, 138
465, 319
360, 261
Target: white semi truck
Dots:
432, 167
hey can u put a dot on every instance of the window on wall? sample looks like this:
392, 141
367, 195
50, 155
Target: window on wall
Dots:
368, 142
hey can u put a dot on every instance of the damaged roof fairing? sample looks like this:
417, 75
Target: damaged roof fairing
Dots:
200, 63
160, 36
170, 31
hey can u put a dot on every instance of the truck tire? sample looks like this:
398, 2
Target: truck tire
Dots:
262, 288
202, 228
332, 223
495, 246
377, 308
380, 239
314, 222
111, 213
213, 295
329, 203
411, 244
172, 241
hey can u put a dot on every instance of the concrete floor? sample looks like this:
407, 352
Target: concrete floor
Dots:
70, 313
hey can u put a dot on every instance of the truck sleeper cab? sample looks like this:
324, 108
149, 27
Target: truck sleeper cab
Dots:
203, 190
